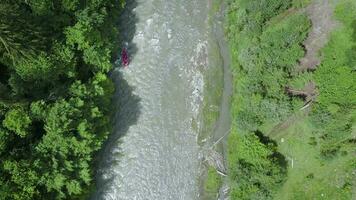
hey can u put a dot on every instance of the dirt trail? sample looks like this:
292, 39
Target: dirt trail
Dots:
321, 14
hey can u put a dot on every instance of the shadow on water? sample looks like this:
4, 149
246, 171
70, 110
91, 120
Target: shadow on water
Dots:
126, 107
127, 111
127, 26
126, 104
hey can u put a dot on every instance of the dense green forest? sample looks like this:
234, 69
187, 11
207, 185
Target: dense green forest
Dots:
311, 153
55, 96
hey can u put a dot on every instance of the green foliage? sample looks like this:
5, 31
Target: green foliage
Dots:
265, 57
213, 182
19, 37
256, 167
18, 121
40, 6
281, 43
301, 3
55, 98
334, 115
264, 52
301, 80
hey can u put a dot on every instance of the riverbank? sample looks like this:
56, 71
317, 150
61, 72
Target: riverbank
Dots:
217, 120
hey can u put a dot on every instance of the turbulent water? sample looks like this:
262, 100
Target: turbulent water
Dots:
153, 152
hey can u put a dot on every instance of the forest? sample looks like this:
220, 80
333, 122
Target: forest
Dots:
55, 94
293, 131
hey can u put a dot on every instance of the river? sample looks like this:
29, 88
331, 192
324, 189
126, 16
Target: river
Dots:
153, 152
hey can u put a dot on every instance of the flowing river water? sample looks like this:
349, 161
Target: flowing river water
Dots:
153, 152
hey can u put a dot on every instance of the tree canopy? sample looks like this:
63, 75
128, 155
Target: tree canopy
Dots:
55, 96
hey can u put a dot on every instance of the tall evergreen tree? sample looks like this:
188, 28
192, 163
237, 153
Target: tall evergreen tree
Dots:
19, 37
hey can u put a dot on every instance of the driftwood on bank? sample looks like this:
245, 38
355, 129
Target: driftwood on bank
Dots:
214, 159
308, 93
224, 192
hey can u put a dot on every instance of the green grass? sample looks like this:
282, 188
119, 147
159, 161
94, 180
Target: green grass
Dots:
213, 182
216, 5
301, 3
312, 177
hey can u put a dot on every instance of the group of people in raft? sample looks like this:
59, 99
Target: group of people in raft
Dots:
125, 61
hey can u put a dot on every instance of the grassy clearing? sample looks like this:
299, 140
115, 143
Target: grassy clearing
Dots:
309, 176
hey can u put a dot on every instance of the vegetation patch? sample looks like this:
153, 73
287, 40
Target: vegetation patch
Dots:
256, 168
55, 95
316, 145
264, 55
322, 145
213, 89
301, 3
212, 183
309, 174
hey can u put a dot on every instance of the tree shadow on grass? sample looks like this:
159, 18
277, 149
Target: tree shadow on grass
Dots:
276, 156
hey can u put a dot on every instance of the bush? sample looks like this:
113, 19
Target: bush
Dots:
254, 166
